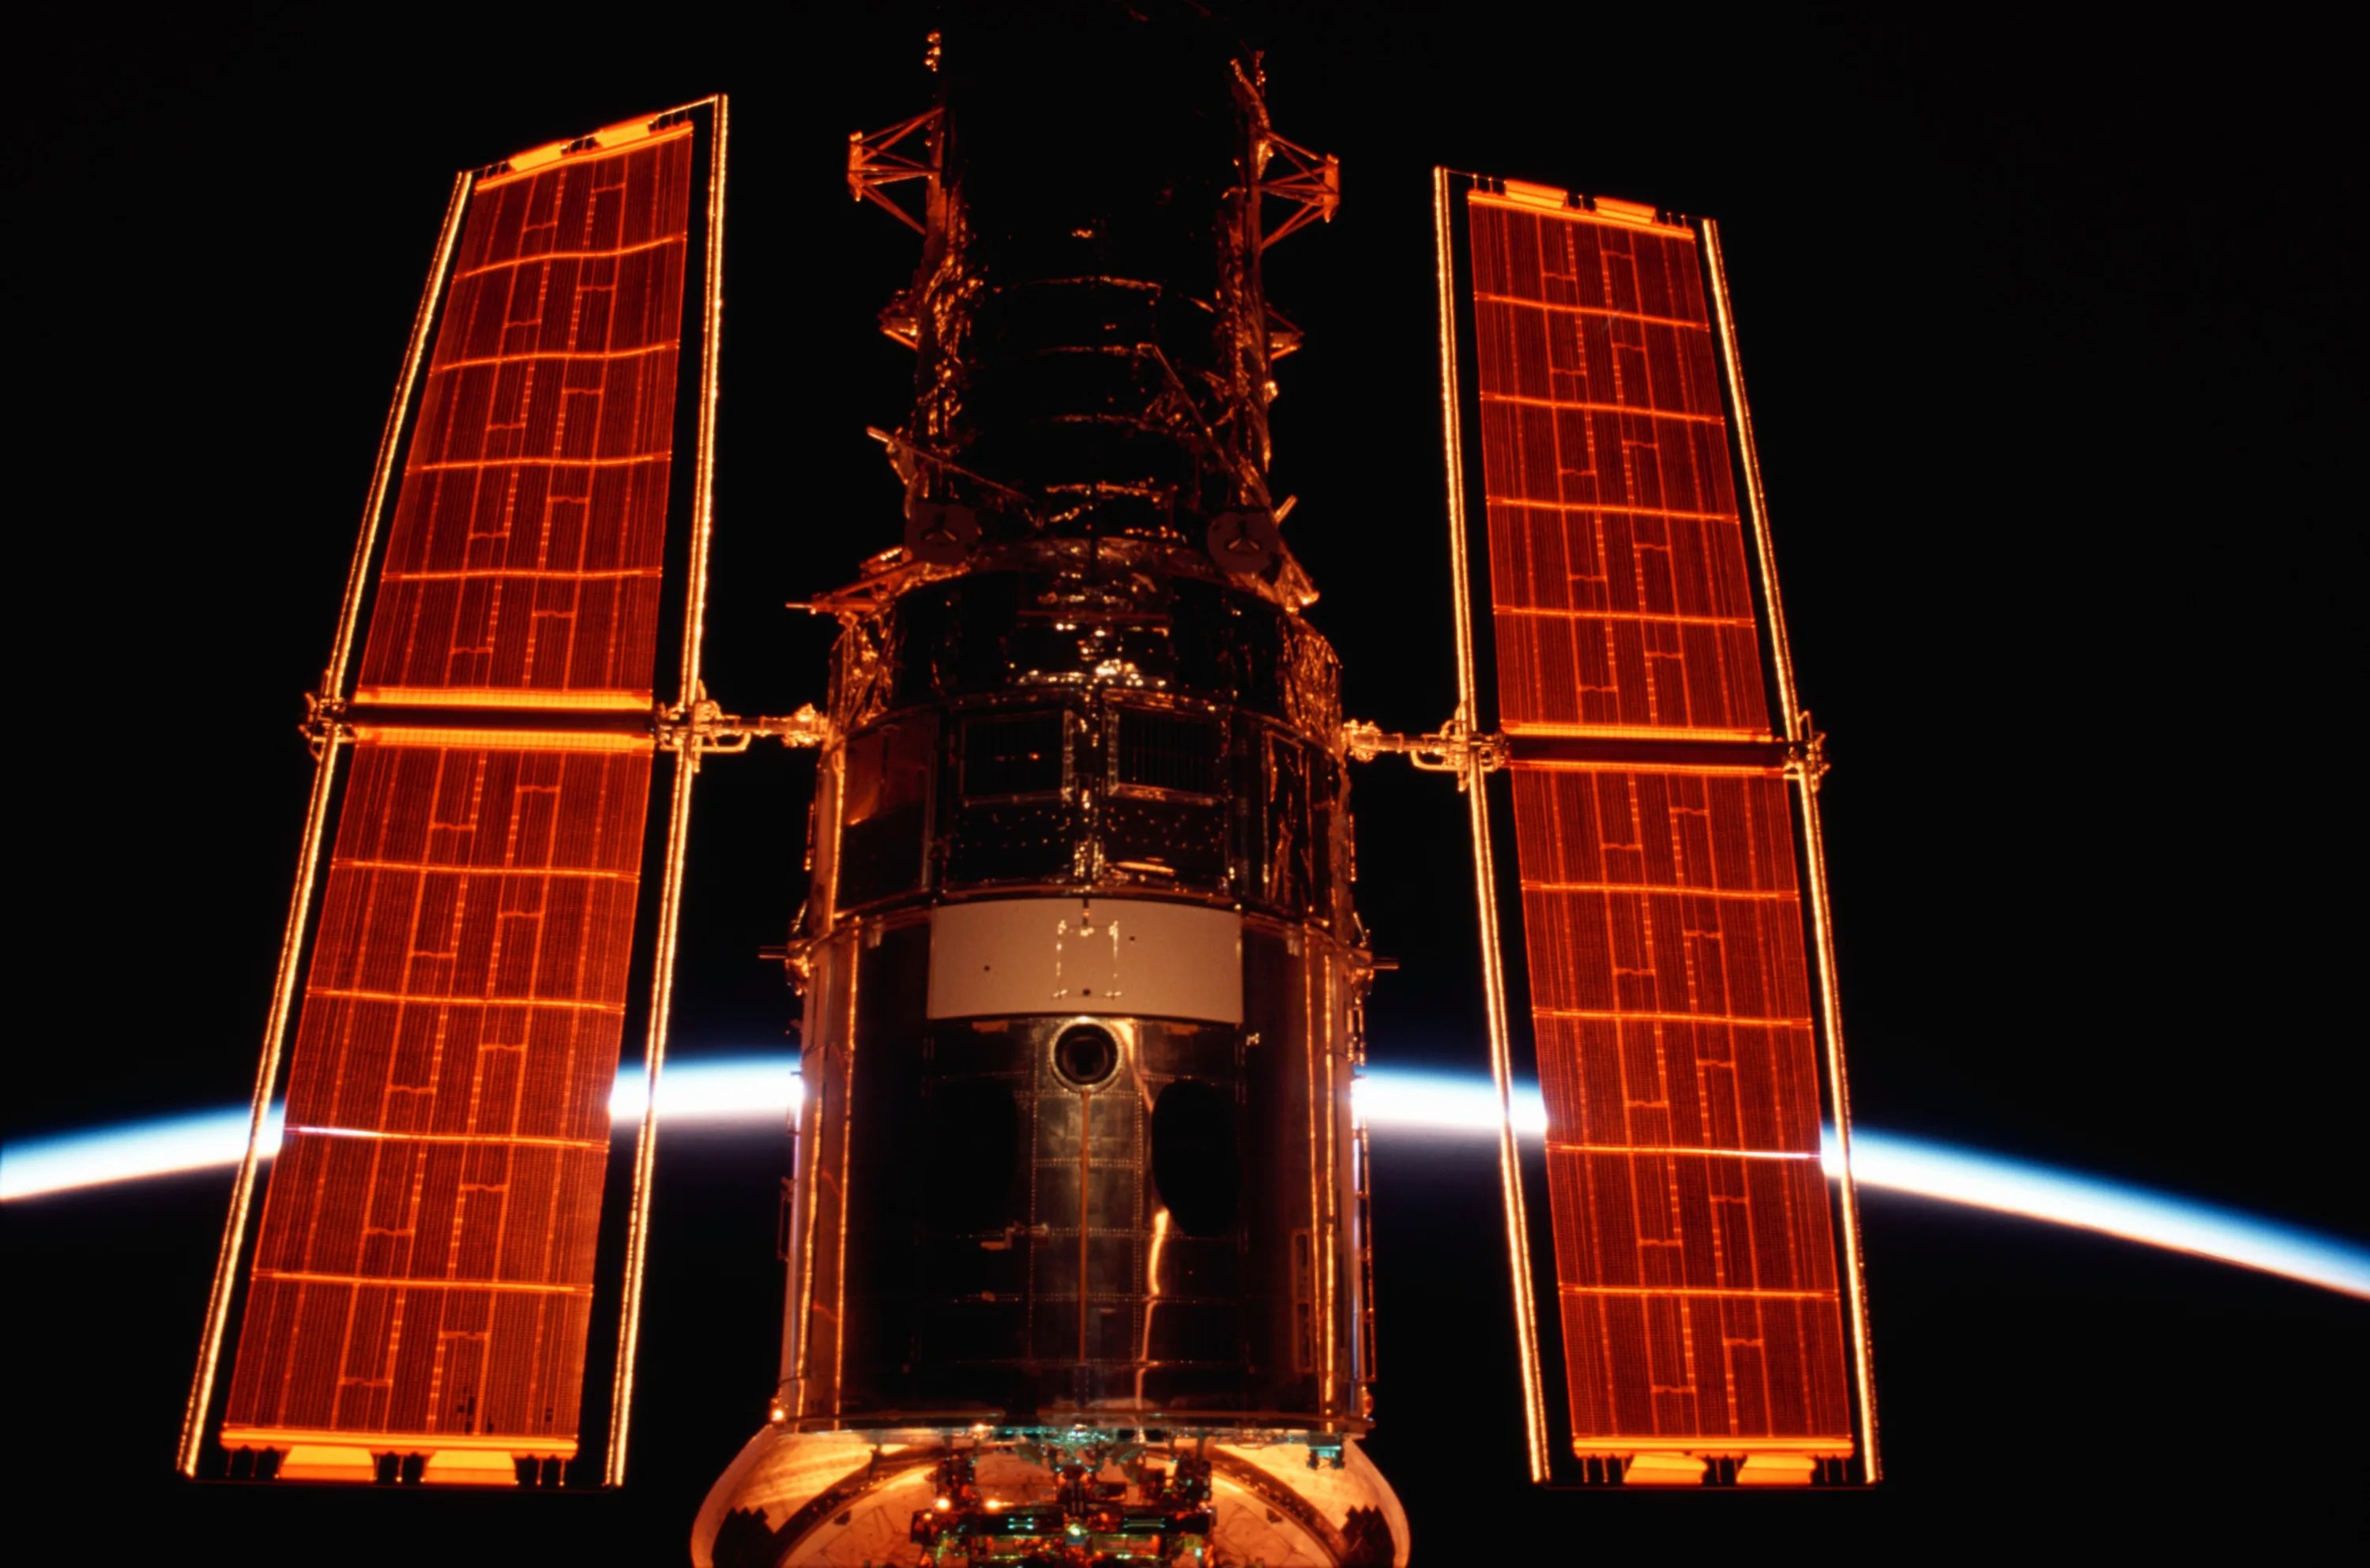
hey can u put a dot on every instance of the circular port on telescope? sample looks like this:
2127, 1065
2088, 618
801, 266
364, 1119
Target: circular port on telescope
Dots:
1086, 1055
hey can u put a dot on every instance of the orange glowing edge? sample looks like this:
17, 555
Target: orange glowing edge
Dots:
1790, 1461
615, 701
1629, 733
452, 1459
1838, 1446
1523, 196
604, 143
501, 740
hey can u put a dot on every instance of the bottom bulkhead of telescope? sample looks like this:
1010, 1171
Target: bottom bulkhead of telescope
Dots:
868, 1500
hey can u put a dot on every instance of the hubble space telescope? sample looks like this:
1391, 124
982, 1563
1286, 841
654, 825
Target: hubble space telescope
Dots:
1080, 1260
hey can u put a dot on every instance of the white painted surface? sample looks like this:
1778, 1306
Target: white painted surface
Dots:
1098, 958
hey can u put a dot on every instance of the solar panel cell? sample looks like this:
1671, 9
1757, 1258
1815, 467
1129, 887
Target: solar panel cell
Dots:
1618, 573
1663, 914
1671, 1011
529, 536
426, 1258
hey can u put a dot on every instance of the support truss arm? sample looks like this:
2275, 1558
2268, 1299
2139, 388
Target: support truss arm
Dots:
878, 159
1311, 181
1453, 748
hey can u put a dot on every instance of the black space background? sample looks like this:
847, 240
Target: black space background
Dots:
2052, 330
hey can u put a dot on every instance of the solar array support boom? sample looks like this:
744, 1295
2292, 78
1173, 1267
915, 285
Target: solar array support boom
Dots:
1473, 781
1808, 765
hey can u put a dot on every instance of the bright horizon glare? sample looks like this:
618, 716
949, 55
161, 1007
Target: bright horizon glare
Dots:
1397, 1106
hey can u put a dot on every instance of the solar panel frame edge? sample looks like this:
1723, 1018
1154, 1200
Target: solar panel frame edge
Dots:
1803, 788
1745, 465
403, 418
691, 498
1835, 1111
1463, 343
1465, 482
208, 1390
675, 673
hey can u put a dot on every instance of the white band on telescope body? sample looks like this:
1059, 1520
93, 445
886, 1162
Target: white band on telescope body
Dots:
1093, 958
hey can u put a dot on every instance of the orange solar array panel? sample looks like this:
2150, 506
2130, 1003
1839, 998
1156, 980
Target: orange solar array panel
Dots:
1670, 965
1670, 999
529, 536
425, 1266
423, 1274
1618, 577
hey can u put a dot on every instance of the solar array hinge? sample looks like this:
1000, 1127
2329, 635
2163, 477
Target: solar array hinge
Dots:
325, 725
705, 728
1451, 748
1807, 758
702, 727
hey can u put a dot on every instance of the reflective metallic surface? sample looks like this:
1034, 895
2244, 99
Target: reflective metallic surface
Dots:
1056, 1217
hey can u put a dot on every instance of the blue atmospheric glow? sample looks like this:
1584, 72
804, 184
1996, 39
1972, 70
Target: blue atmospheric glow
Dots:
1399, 1107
